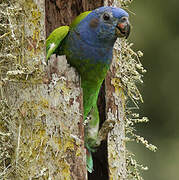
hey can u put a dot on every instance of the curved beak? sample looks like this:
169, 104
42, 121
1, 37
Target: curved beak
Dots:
123, 27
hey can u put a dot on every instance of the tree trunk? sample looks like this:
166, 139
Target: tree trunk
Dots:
41, 119
115, 109
62, 12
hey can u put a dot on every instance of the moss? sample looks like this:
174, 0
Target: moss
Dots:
42, 128
37, 142
130, 72
127, 73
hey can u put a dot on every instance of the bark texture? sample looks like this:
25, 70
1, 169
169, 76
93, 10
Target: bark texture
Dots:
62, 12
41, 119
115, 110
48, 130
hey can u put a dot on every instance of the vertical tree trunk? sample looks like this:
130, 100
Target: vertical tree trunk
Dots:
62, 12
48, 131
115, 109
41, 109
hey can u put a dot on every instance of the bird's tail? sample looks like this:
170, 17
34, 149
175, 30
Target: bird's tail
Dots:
89, 161
91, 135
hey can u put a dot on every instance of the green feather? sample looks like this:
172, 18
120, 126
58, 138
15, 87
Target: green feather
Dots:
55, 39
78, 19
89, 162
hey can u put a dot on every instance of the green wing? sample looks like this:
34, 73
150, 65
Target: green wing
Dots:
77, 20
55, 38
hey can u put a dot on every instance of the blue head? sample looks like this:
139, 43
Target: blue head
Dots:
103, 26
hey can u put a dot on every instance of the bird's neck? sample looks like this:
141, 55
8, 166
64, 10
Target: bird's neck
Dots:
83, 52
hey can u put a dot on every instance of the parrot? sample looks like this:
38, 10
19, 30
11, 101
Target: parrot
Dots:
88, 45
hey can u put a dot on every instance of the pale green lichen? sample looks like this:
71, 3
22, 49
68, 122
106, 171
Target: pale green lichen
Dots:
6, 139
125, 3
35, 141
21, 38
130, 73
43, 130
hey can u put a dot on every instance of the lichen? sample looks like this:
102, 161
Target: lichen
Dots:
38, 107
125, 3
22, 39
40, 134
128, 75
130, 72
6, 140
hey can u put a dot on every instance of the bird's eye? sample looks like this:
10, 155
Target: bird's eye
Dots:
106, 16
123, 19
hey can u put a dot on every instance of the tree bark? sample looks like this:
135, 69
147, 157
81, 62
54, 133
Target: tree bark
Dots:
48, 132
62, 12
115, 110
41, 108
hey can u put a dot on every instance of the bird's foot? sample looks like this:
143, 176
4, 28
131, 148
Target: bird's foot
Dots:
107, 126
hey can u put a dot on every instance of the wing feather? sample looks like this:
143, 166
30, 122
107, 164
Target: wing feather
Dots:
55, 38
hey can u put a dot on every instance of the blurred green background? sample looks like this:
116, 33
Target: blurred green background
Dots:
156, 32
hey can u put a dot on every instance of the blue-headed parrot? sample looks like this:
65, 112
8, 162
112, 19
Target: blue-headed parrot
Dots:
88, 45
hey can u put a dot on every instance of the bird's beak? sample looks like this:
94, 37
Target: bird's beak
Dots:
123, 27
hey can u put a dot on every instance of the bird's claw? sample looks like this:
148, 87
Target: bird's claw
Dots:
107, 126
